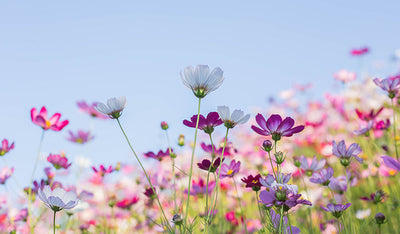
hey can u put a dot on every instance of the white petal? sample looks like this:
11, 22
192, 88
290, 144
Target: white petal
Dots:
215, 79
244, 119
188, 77
201, 74
236, 115
224, 112
102, 108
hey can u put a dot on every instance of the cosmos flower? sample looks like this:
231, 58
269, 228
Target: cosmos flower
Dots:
269, 179
90, 110
5, 173
81, 137
391, 86
200, 187
338, 183
323, 177
314, 166
5, 148
336, 209
102, 171
231, 120
371, 115
58, 198
205, 124
345, 155
52, 123
391, 162
58, 161
216, 151
231, 170
200, 80
127, 202
160, 155
364, 129
376, 197
206, 164
114, 107
345, 76
360, 51
252, 182
275, 127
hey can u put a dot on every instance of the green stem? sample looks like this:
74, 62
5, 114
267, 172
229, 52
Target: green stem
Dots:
191, 163
281, 222
240, 205
272, 166
290, 225
54, 223
147, 176
394, 130
259, 209
173, 170
208, 179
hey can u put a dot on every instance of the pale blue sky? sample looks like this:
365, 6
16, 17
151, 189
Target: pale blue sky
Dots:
55, 53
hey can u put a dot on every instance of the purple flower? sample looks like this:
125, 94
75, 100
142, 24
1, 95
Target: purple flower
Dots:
315, 165
391, 86
269, 179
22, 215
275, 219
252, 182
200, 187
231, 170
391, 162
160, 155
364, 129
340, 151
375, 197
382, 125
209, 149
206, 164
81, 137
5, 147
336, 210
323, 177
275, 127
338, 184
205, 124
368, 116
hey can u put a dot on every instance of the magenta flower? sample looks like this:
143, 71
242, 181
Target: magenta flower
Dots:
58, 161
205, 124
360, 51
150, 193
382, 125
252, 182
376, 198
90, 110
310, 166
102, 171
52, 123
231, 170
81, 137
5, 173
217, 152
206, 164
127, 202
391, 86
336, 210
22, 215
275, 127
5, 148
200, 187
323, 177
371, 115
345, 155
391, 162
160, 155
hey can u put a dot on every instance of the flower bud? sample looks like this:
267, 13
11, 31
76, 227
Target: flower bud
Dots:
267, 145
177, 219
164, 125
279, 157
380, 218
181, 140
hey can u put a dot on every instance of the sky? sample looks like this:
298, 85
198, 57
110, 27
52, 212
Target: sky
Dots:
54, 54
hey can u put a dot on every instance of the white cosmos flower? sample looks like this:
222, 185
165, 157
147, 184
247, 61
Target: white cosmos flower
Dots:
231, 120
58, 198
113, 108
200, 80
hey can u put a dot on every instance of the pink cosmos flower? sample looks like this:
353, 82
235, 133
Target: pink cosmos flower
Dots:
58, 161
360, 51
5, 173
52, 123
345, 76
275, 127
81, 137
205, 124
160, 155
216, 151
200, 187
5, 148
367, 116
90, 109
231, 170
102, 171
127, 203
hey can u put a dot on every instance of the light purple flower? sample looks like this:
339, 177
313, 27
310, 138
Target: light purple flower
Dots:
231, 170
205, 124
58, 198
269, 179
81, 137
323, 177
160, 155
364, 129
275, 127
391, 86
338, 183
391, 162
336, 210
200, 187
314, 166
345, 155
275, 219
5, 173
282, 194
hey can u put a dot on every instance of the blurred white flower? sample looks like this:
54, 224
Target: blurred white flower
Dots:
345, 76
200, 80
83, 162
362, 214
231, 120
58, 198
113, 108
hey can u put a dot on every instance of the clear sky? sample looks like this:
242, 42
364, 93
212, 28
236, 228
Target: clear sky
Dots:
55, 53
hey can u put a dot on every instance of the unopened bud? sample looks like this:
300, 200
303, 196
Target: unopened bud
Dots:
279, 157
118, 167
267, 145
164, 125
177, 219
181, 140
380, 218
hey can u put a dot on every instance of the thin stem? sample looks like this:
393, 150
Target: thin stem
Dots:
272, 166
240, 205
208, 177
54, 223
147, 176
191, 163
173, 169
281, 221
290, 225
394, 130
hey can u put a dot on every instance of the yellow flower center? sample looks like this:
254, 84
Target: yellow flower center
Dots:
229, 172
48, 124
392, 172
79, 140
254, 181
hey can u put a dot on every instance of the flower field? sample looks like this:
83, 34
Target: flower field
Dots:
326, 165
